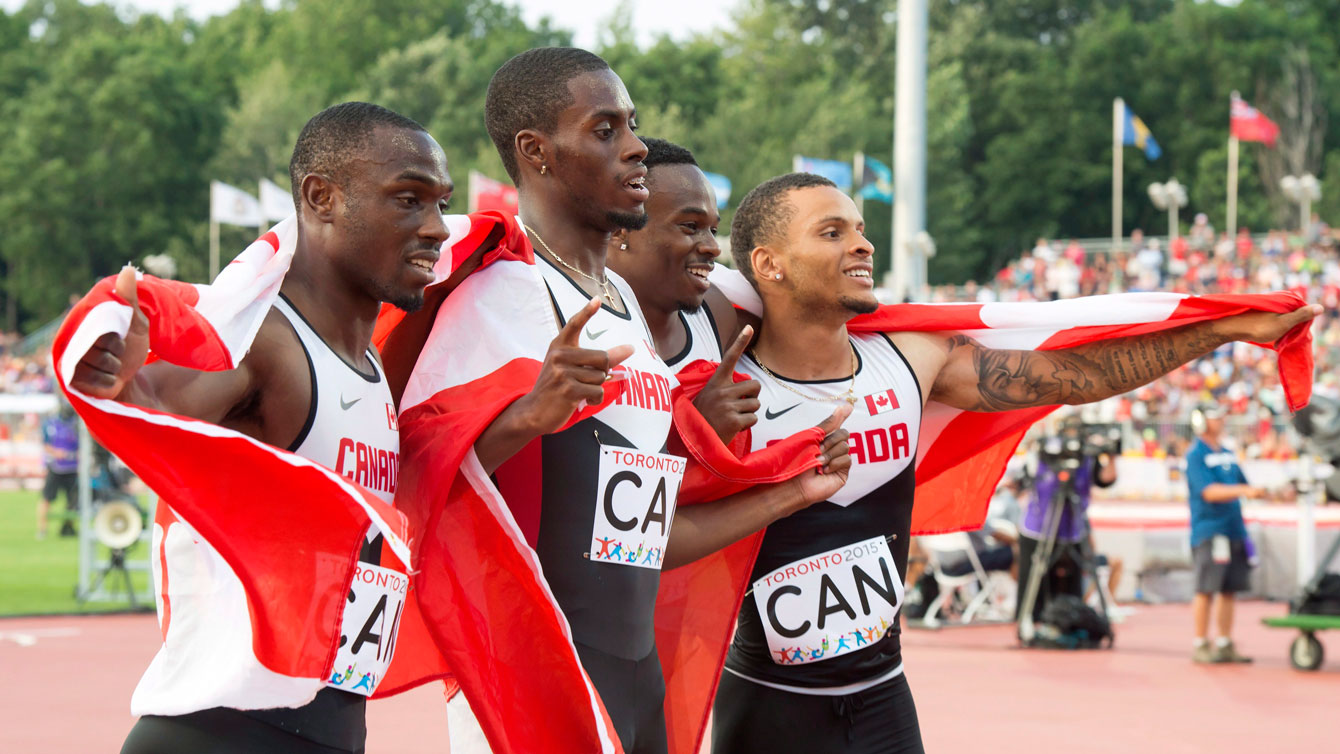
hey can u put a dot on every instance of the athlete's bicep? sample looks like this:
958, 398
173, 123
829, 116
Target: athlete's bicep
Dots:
208, 396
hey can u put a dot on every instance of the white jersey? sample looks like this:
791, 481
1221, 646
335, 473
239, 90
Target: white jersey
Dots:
206, 659
702, 338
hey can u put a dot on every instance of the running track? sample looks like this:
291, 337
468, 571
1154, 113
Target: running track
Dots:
67, 685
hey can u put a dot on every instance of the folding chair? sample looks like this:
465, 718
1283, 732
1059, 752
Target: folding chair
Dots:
938, 547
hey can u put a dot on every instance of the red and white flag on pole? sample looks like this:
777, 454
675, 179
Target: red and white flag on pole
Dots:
1246, 123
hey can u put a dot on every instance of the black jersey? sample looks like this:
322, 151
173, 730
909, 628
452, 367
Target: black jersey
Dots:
606, 485
828, 582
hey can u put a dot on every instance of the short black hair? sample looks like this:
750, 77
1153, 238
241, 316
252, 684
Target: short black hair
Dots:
335, 135
529, 91
662, 152
763, 214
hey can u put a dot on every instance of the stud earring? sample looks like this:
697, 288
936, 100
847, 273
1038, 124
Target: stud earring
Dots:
623, 247
543, 169
779, 276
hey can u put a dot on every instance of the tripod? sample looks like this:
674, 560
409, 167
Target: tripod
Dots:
116, 561
1045, 557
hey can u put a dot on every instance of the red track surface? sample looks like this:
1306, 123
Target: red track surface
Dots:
68, 690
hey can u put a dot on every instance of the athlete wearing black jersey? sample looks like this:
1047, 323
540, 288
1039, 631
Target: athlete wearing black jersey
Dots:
564, 127
816, 664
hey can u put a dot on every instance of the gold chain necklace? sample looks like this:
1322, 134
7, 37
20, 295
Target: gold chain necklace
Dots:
603, 281
848, 395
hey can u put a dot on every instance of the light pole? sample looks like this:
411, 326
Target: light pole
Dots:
1304, 190
1172, 197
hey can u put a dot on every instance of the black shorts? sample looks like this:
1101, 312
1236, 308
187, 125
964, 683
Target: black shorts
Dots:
634, 695
1221, 578
217, 731
57, 482
751, 718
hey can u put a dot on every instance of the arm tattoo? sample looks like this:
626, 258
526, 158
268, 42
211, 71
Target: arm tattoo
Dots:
1023, 379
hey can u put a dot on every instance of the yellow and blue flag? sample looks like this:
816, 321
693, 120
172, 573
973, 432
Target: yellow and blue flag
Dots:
1135, 133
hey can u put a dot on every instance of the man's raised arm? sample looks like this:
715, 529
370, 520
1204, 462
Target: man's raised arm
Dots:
976, 378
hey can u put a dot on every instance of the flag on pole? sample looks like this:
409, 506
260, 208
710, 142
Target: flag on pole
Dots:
488, 194
834, 170
721, 185
1246, 123
1134, 133
876, 180
276, 203
233, 206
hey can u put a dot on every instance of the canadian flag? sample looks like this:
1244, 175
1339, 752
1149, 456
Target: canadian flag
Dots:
879, 403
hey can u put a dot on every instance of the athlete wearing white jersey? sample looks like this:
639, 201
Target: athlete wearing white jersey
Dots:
606, 486
816, 664
370, 188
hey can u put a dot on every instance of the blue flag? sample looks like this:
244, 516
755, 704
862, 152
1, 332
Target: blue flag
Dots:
876, 181
833, 170
721, 185
1135, 133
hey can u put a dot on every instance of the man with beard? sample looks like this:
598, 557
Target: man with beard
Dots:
816, 663
667, 263
565, 128
370, 187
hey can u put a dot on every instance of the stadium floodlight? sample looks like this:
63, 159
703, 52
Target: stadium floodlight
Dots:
1302, 190
1172, 197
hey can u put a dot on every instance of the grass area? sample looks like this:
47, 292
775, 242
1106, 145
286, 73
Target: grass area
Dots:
39, 576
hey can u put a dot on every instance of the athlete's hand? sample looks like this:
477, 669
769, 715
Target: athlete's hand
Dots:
1267, 327
112, 362
572, 377
729, 406
824, 482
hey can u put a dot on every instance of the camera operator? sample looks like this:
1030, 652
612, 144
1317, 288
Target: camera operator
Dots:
1091, 459
1215, 488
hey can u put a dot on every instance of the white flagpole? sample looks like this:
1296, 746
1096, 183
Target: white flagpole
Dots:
1118, 110
213, 237
1232, 220
265, 221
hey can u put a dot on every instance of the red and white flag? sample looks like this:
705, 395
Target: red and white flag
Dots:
1246, 123
878, 403
276, 535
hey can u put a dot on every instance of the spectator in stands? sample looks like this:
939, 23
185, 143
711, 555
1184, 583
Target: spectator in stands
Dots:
60, 444
1202, 232
1215, 488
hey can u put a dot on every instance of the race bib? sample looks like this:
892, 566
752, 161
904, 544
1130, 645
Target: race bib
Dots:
635, 504
831, 603
367, 635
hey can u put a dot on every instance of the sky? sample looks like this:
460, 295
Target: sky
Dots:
679, 18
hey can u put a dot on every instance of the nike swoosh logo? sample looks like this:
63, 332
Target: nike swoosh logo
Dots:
346, 406
770, 415
595, 335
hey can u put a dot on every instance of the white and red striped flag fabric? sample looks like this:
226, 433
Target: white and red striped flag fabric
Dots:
1246, 123
254, 548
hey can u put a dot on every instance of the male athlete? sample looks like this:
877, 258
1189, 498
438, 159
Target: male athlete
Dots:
834, 570
370, 187
564, 127
667, 262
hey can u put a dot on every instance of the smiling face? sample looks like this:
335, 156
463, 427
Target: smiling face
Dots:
596, 157
824, 257
389, 229
668, 261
